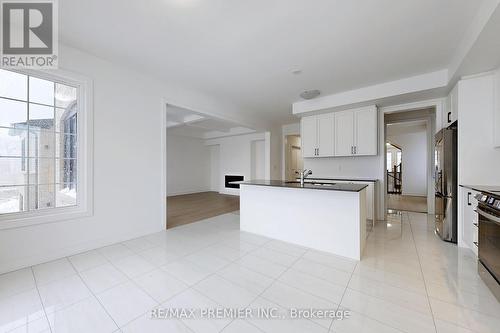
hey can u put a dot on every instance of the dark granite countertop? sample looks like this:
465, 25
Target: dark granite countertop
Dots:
345, 179
495, 190
308, 185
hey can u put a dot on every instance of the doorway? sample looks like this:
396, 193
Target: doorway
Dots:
394, 169
294, 163
409, 141
193, 167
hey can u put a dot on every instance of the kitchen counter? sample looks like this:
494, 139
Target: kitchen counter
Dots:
310, 183
330, 218
343, 179
495, 190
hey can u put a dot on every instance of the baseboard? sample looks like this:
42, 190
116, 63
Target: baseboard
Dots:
193, 191
20, 263
415, 195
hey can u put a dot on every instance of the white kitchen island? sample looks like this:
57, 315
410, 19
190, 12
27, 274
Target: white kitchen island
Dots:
330, 218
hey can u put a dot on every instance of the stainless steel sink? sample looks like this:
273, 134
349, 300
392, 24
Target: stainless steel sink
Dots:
311, 183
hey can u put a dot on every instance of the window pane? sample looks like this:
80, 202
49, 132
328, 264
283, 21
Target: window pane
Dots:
65, 195
13, 199
41, 91
42, 197
65, 95
66, 119
13, 142
13, 85
42, 171
66, 172
12, 113
42, 144
12, 172
66, 146
41, 116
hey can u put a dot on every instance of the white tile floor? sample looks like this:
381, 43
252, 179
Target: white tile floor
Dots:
408, 281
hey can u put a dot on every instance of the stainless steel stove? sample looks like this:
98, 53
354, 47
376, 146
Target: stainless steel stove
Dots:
489, 235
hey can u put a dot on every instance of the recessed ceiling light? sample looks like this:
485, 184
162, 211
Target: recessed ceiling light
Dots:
310, 94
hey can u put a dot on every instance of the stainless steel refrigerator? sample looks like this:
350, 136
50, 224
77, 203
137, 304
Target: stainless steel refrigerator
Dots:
446, 183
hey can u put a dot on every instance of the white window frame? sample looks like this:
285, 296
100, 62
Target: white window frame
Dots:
85, 179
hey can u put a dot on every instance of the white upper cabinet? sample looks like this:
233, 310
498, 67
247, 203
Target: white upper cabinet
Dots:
326, 135
451, 111
496, 117
365, 131
343, 133
309, 136
318, 135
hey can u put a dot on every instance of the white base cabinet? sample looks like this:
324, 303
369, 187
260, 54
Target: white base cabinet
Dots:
468, 226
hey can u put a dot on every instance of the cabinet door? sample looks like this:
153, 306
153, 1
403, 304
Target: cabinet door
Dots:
451, 113
496, 115
366, 131
309, 136
344, 133
326, 132
470, 219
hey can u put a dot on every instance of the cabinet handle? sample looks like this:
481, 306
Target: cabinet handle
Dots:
449, 115
468, 198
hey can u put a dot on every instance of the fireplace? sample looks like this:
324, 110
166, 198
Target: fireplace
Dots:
232, 178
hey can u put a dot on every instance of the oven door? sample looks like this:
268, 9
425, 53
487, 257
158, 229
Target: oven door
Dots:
489, 240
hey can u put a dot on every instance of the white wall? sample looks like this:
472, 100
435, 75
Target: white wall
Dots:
129, 197
414, 160
235, 157
188, 165
214, 168
258, 159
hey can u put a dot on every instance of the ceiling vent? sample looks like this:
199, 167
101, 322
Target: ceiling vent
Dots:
310, 94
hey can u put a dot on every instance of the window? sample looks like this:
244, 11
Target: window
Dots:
398, 158
39, 144
389, 161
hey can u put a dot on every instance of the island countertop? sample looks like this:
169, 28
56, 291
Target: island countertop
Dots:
308, 184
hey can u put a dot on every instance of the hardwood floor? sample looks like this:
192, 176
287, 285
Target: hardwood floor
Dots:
407, 203
189, 208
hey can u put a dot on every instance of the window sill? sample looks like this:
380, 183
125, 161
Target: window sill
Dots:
21, 220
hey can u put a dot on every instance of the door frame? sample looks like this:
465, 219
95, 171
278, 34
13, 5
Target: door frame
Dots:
438, 106
287, 149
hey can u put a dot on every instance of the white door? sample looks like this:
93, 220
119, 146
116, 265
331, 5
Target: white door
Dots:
326, 135
309, 134
366, 131
344, 133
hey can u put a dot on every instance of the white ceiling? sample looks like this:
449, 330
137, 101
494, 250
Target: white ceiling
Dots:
181, 121
407, 127
244, 51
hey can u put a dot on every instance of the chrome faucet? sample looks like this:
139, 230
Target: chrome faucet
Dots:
303, 175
